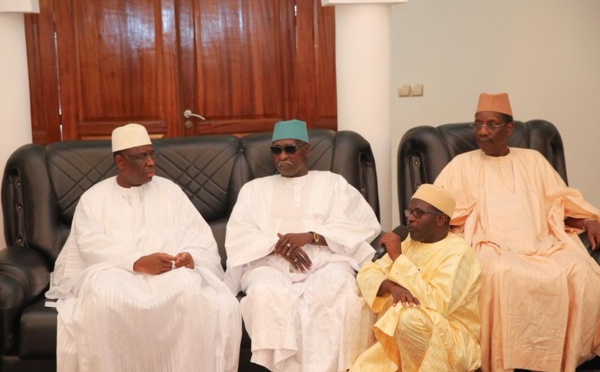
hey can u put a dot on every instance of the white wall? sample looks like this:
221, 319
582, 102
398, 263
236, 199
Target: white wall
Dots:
544, 53
15, 116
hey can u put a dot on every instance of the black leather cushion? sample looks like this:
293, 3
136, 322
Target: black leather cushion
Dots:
24, 275
354, 159
31, 215
73, 167
37, 334
424, 151
42, 185
219, 228
258, 156
203, 167
344, 152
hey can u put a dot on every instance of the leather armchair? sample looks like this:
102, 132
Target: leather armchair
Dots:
42, 185
425, 150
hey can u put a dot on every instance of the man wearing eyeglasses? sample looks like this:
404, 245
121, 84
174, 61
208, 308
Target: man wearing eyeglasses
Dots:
424, 291
540, 298
138, 283
294, 243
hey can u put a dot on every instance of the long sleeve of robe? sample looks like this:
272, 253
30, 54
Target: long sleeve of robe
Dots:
172, 321
302, 321
445, 277
540, 300
191, 234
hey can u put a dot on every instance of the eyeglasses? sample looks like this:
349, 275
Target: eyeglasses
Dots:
289, 149
417, 213
143, 158
489, 125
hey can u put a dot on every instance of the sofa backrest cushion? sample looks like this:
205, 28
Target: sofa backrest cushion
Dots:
203, 167
55, 176
425, 150
344, 152
42, 184
208, 170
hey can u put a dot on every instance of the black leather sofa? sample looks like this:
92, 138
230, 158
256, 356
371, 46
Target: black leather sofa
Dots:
42, 185
425, 150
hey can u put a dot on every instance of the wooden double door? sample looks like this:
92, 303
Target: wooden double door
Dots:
240, 64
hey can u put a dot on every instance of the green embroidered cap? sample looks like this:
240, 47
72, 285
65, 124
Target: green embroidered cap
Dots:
290, 129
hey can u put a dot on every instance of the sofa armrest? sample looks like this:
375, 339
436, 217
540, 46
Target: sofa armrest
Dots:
24, 275
586, 242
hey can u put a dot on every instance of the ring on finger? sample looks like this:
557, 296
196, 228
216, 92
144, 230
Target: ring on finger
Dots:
288, 245
295, 260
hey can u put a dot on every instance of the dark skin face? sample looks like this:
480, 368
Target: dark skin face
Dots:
132, 173
492, 141
135, 168
292, 165
289, 246
429, 228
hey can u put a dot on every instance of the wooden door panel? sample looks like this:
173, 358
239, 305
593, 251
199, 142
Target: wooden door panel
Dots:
241, 64
317, 99
117, 64
43, 75
325, 113
245, 53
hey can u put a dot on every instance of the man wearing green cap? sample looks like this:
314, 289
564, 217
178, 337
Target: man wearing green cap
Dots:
294, 243
540, 298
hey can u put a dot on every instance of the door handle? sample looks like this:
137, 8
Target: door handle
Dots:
188, 113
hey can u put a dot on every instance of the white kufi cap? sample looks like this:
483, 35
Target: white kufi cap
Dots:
128, 136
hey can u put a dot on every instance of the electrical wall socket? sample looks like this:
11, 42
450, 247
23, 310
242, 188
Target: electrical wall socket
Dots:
410, 90
416, 90
404, 90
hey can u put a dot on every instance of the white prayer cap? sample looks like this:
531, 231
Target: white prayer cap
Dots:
437, 197
128, 136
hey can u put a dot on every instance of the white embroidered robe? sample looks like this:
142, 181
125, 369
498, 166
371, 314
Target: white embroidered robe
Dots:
113, 319
311, 321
